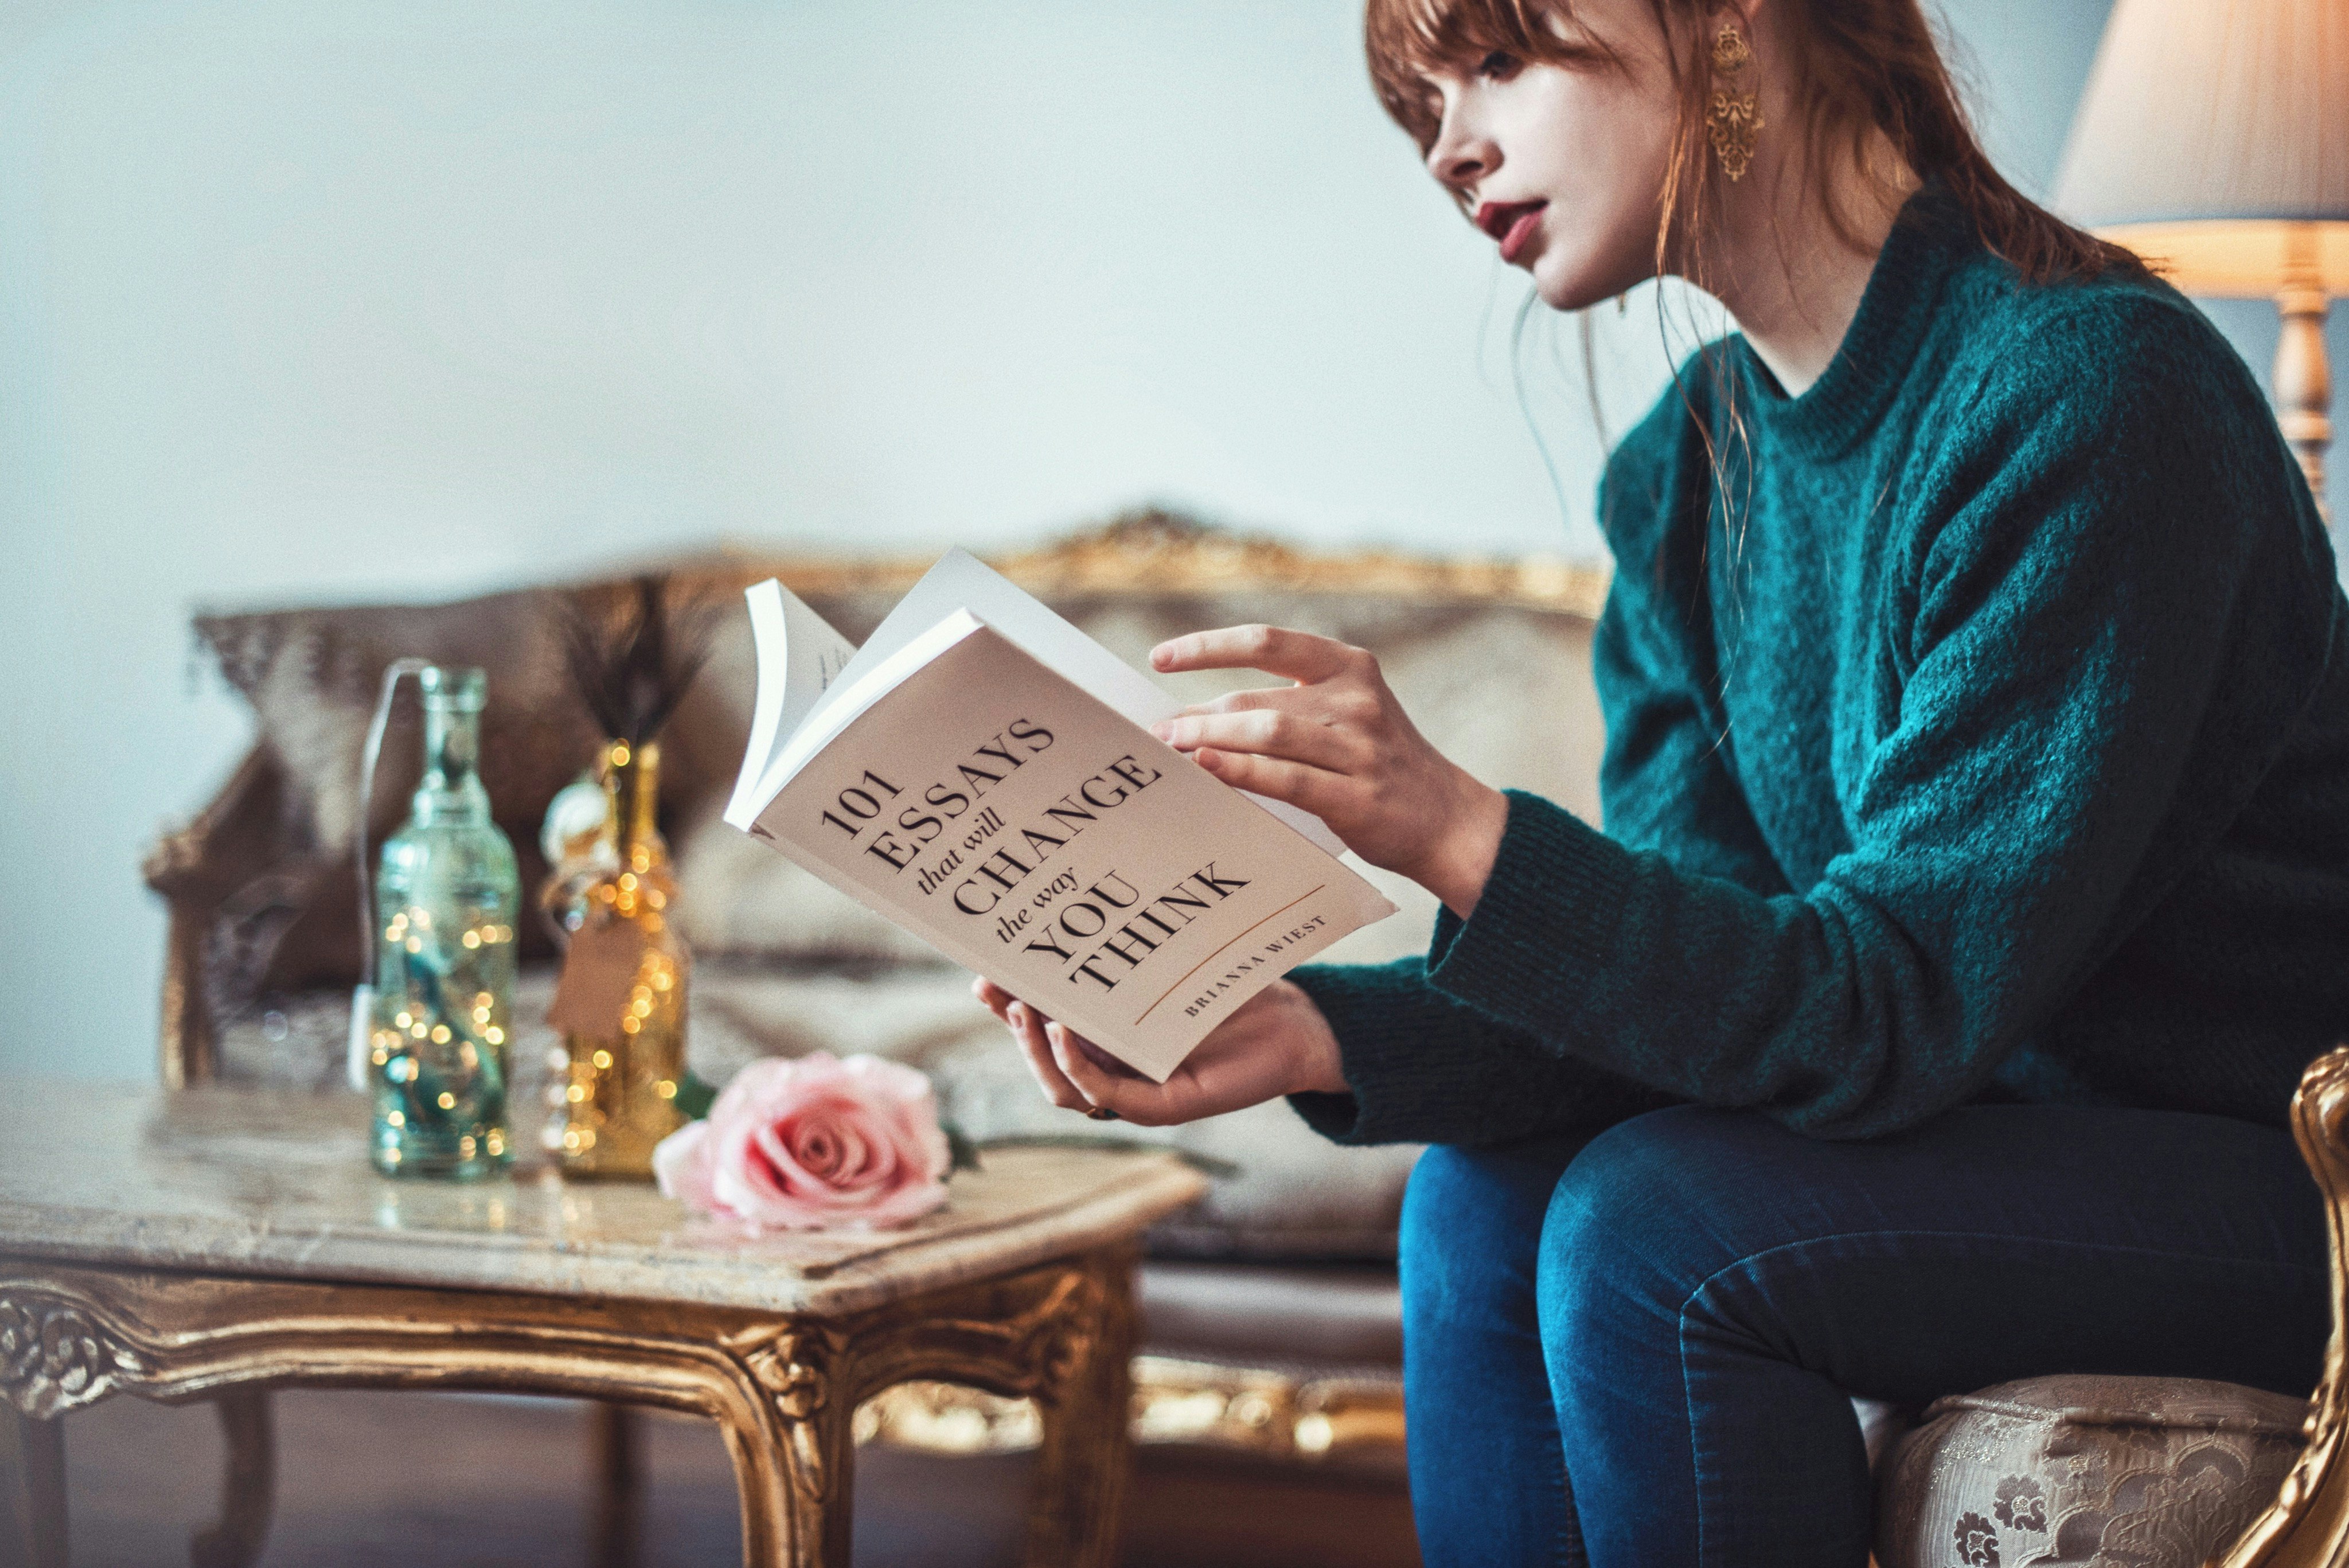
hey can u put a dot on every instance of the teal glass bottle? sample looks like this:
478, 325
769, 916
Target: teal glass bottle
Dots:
446, 896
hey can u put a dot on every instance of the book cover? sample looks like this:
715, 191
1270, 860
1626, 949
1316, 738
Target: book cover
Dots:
1029, 830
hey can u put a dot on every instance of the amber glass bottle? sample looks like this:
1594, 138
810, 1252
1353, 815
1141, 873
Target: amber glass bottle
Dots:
620, 1008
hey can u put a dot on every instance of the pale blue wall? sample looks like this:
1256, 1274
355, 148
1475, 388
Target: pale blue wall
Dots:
316, 298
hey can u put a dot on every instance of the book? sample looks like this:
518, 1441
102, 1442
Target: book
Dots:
982, 773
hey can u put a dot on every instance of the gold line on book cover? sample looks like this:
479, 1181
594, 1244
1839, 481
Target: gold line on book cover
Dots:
1225, 949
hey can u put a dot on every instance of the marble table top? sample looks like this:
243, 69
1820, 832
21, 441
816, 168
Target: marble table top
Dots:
252, 1182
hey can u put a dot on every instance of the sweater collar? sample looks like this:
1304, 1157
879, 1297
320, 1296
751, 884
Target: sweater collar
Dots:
1932, 233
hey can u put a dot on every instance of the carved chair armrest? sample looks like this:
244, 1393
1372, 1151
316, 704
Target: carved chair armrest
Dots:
2307, 1526
196, 868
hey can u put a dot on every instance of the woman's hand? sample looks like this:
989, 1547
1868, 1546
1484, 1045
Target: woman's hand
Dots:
1338, 745
1276, 1042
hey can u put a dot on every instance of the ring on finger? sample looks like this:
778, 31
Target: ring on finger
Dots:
1100, 1114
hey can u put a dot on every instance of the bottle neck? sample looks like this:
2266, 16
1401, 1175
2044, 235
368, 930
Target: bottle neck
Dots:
451, 788
632, 774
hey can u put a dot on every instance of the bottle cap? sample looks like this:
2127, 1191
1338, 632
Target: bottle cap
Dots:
459, 688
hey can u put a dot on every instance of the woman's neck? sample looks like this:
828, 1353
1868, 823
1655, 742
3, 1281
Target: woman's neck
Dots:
1791, 281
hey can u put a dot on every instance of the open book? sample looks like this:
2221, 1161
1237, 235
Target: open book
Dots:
982, 772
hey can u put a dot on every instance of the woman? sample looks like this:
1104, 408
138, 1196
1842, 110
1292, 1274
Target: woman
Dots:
1976, 876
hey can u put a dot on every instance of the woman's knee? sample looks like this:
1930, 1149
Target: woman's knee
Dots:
1472, 1225
1627, 1232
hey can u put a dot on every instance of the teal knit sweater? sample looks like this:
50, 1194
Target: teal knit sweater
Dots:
1992, 746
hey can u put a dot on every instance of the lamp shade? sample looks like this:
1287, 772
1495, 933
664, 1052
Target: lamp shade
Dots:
2214, 139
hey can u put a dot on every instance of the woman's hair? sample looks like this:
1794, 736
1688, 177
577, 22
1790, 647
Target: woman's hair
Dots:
1861, 67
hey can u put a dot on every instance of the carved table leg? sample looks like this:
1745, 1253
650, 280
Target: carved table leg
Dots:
796, 1463
33, 1471
1060, 1334
248, 1487
1082, 1466
617, 1437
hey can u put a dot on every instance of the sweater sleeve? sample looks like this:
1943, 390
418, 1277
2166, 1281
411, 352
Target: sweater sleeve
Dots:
2113, 611
1423, 1069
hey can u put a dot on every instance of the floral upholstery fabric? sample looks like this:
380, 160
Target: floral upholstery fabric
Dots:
2096, 1472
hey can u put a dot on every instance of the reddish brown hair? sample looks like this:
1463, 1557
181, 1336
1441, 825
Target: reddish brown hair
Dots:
1861, 67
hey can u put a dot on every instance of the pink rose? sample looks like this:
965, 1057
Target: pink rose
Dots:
811, 1144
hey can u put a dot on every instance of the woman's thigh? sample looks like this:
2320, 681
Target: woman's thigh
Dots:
1711, 1285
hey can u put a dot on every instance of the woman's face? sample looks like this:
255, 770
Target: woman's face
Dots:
1564, 166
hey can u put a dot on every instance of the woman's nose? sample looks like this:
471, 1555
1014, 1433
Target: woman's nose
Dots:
1459, 160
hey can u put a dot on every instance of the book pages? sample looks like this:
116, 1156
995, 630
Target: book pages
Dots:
799, 656
961, 580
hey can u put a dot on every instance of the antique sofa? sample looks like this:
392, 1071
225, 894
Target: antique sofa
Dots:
1272, 1331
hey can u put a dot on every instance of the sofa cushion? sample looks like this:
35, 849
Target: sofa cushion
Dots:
1321, 1318
2117, 1473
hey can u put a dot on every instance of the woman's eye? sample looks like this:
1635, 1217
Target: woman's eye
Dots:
1499, 63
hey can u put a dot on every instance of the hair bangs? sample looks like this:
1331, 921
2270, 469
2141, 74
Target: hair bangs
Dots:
1407, 41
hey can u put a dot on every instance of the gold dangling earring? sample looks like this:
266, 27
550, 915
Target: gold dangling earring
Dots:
1734, 122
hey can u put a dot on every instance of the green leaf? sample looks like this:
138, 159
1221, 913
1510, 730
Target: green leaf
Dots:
694, 1096
965, 1153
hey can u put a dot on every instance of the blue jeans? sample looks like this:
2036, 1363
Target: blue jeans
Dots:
1673, 1314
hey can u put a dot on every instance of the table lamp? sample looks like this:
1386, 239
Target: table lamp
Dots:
2213, 139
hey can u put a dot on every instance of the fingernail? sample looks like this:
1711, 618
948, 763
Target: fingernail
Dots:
1164, 730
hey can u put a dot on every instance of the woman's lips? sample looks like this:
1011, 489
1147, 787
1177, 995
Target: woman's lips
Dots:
1514, 224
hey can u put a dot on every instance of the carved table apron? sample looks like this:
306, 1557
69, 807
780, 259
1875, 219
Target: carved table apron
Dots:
124, 1269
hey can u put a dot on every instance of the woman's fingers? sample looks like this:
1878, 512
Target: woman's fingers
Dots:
992, 997
1307, 788
1136, 1099
1298, 654
1027, 1027
1265, 732
1075, 1073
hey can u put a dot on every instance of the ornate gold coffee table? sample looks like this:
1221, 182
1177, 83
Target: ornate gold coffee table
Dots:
216, 1242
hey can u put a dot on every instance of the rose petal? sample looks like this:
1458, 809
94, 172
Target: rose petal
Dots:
681, 1165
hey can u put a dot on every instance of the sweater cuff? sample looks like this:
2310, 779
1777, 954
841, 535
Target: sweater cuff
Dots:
1545, 921
1412, 1079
